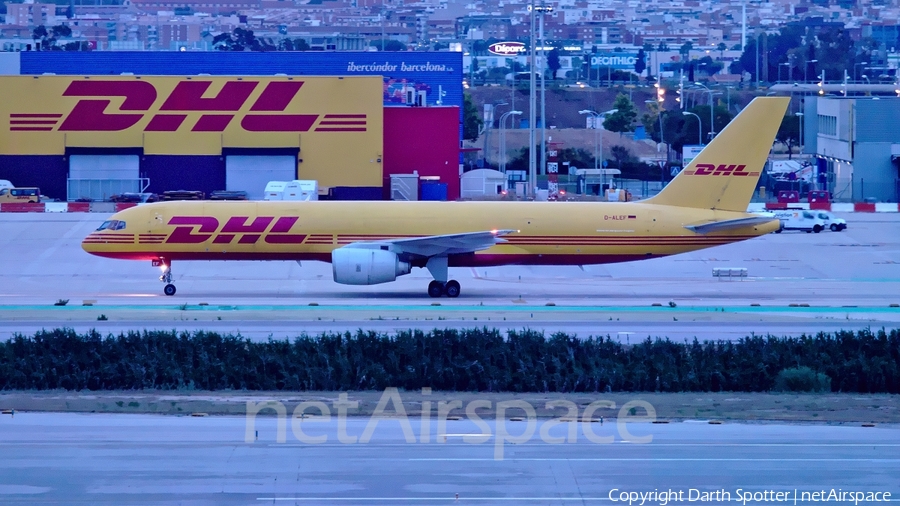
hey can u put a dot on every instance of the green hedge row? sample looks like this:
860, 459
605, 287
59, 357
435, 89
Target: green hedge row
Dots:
466, 360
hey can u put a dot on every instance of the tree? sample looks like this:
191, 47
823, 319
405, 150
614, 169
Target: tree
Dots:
662, 47
388, 45
553, 62
49, 38
835, 53
621, 155
789, 132
721, 47
622, 120
639, 62
241, 39
471, 119
685, 49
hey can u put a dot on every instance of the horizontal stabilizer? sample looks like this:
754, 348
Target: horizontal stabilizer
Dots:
718, 226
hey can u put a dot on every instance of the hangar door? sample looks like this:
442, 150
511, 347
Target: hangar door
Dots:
252, 173
98, 177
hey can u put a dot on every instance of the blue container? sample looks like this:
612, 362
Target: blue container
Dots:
433, 191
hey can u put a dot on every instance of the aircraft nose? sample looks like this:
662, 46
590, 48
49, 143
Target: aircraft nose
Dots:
89, 243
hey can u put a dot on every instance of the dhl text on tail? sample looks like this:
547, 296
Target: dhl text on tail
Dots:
375, 242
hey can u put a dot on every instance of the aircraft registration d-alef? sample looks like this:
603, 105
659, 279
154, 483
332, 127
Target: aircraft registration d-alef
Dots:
375, 242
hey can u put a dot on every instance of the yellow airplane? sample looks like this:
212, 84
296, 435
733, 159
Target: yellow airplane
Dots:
374, 242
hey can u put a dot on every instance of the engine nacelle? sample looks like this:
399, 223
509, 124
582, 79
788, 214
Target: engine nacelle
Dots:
360, 266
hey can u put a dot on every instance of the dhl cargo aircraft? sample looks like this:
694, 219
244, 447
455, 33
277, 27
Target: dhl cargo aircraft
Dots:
374, 242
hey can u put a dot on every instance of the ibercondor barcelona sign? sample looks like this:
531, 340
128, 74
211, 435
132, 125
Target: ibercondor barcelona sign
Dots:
507, 48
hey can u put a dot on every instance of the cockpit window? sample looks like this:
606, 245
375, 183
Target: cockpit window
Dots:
112, 225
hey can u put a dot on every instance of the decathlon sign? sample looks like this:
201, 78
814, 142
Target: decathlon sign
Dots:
621, 61
507, 48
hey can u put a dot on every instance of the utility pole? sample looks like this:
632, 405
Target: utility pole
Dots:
543, 10
532, 174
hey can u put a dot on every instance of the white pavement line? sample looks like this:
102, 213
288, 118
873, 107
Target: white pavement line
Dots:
642, 445
38, 265
593, 459
437, 499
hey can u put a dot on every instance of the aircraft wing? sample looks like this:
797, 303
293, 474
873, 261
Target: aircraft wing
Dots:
440, 245
717, 226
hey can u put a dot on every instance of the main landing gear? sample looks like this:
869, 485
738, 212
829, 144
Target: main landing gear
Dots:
440, 286
450, 288
167, 278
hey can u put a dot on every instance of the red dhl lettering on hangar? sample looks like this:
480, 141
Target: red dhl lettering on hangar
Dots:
266, 114
708, 169
199, 229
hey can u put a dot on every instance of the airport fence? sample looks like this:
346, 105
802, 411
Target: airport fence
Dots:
451, 360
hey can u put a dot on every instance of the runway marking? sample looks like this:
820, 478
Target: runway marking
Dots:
662, 459
480, 499
441, 498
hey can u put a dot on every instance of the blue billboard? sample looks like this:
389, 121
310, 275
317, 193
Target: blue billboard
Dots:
439, 74
619, 61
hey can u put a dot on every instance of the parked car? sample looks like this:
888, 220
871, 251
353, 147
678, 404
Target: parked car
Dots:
228, 195
135, 197
183, 195
832, 222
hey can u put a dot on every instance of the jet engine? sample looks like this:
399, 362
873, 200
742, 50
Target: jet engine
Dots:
360, 266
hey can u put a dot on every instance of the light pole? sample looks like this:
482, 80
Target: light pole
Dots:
856, 69
502, 154
712, 127
800, 115
488, 127
598, 126
806, 68
699, 126
660, 99
532, 173
543, 10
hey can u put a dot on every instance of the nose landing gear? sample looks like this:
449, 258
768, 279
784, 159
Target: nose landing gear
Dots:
166, 277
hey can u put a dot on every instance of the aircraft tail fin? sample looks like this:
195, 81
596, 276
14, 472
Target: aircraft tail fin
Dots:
724, 175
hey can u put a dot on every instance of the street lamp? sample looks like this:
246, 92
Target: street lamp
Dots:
502, 154
597, 126
542, 10
661, 93
489, 125
712, 127
786, 64
856, 69
806, 68
699, 126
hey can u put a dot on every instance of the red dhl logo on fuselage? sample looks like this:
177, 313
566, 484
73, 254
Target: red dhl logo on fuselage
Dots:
89, 115
199, 229
708, 169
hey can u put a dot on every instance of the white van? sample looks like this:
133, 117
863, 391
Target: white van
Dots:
831, 222
800, 219
275, 190
301, 190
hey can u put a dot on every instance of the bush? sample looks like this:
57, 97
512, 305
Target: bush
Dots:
801, 379
483, 360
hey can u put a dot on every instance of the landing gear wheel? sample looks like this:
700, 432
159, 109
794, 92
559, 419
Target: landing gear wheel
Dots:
451, 289
169, 289
435, 289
